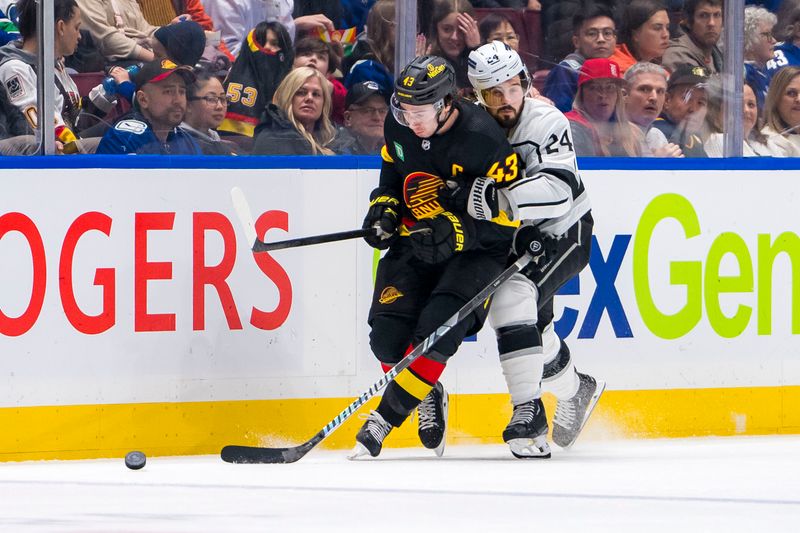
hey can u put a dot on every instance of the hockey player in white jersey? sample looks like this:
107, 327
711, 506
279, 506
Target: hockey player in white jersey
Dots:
548, 201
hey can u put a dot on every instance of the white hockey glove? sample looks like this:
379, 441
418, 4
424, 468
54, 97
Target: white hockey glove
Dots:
482, 200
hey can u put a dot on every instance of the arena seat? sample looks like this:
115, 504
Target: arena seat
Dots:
539, 78
86, 81
533, 25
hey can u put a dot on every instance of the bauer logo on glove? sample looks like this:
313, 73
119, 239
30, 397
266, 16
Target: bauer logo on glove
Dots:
437, 239
382, 215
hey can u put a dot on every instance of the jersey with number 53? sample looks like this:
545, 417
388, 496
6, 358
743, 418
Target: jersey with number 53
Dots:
550, 191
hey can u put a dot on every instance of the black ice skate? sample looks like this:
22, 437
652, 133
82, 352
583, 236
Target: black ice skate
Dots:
572, 414
369, 439
433, 419
526, 434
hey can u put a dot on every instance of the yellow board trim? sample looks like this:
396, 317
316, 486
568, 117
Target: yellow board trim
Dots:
412, 384
94, 431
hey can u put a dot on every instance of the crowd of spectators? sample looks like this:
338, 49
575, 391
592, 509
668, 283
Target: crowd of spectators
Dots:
314, 77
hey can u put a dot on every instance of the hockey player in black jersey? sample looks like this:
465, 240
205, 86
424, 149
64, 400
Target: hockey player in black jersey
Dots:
439, 254
550, 202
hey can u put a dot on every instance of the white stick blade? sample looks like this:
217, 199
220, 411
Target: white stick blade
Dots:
245, 215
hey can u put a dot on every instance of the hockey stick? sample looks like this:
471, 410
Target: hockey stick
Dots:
258, 246
255, 454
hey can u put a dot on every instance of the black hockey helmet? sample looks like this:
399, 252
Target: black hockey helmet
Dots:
426, 80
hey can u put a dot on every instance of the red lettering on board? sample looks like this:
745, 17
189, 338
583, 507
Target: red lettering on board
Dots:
269, 320
13, 327
145, 270
103, 277
215, 276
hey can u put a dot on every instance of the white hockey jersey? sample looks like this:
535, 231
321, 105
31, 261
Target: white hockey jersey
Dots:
18, 78
551, 193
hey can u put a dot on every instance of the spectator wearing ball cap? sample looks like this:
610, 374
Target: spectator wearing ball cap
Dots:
366, 107
182, 42
370, 70
599, 122
152, 127
685, 108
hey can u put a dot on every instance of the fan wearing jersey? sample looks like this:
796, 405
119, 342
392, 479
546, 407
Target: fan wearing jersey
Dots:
551, 205
440, 255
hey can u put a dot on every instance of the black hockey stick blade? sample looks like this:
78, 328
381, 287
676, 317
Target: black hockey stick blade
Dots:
257, 454
258, 246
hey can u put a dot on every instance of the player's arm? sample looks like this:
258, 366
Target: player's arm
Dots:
550, 182
489, 165
384, 205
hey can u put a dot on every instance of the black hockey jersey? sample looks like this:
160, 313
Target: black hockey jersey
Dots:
416, 170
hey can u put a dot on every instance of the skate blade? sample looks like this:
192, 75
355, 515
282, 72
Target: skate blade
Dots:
535, 448
359, 452
598, 391
439, 450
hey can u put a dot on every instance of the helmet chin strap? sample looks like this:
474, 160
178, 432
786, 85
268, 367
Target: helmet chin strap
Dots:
441, 122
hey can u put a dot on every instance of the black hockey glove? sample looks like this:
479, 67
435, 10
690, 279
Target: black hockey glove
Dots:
383, 215
528, 239
479, 199
435, 240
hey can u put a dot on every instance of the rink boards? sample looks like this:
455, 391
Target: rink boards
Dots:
133, 315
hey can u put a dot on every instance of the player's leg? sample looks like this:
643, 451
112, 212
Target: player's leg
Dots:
400, 289
513, 317
463, 277
576, 393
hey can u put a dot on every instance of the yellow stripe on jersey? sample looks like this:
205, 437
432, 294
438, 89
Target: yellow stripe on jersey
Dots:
385, 155
413, 385
237, 126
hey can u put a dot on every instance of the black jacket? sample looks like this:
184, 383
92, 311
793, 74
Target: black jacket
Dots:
277, 136
345, 143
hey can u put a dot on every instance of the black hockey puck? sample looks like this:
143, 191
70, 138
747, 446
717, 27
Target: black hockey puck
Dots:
135, 460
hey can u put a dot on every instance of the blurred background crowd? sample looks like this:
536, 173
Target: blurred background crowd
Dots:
637, 78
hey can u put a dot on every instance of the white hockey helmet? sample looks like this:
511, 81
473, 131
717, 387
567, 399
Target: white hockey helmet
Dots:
492, 64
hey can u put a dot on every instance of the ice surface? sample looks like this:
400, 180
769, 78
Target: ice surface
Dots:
704, 484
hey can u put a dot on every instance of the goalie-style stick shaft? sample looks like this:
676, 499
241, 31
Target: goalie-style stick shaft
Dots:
255, 454
258, 246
